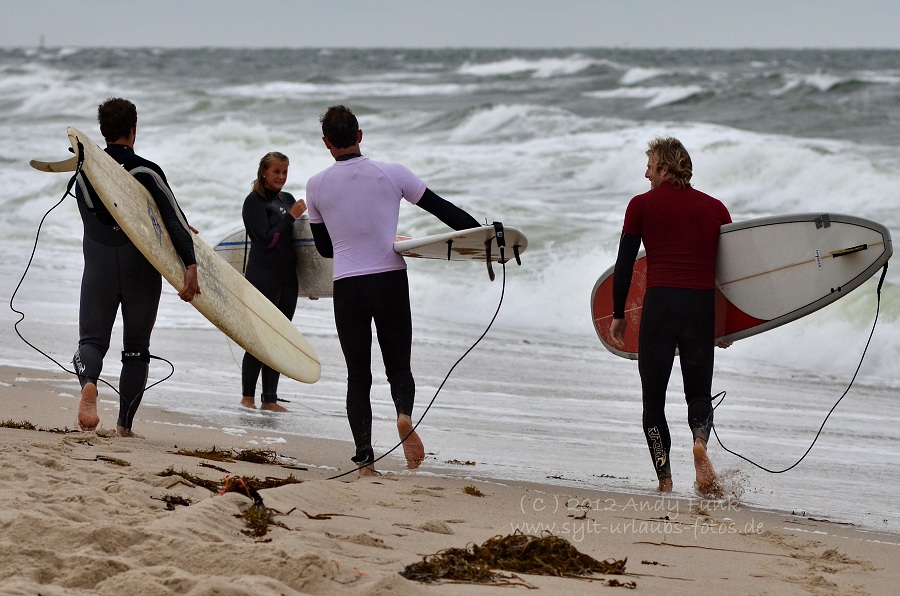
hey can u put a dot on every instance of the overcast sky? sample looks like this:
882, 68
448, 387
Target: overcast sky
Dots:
452, 23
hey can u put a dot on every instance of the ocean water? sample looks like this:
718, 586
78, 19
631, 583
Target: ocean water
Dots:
549, 141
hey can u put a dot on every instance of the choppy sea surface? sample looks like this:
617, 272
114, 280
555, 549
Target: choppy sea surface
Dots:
549, 141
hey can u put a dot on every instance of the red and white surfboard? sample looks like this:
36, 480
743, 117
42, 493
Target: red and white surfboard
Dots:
770, 271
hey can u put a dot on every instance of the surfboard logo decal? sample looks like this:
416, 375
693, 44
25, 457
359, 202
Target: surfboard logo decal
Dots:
155, 223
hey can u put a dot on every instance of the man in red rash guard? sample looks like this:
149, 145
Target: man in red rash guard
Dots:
679, 227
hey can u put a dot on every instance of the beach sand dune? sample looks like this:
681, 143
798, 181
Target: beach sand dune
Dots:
87, 513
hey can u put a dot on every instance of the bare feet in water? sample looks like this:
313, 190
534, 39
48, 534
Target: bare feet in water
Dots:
87, 408
248, 402
706, 475
272, 407
413, 448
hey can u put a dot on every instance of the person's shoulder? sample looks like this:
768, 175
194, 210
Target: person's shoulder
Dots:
253, 197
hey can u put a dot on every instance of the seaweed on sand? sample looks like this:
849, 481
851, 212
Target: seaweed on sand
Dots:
514, 553
25, 425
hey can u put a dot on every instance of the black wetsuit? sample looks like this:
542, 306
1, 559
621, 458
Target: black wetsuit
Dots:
272, 269
116, 273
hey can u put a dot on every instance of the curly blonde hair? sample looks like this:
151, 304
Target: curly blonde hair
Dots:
669, 152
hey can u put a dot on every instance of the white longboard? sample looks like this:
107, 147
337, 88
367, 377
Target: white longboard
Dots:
476, 244
315, 273
229, 301
769, 271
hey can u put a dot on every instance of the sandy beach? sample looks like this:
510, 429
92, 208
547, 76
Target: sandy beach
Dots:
90, 513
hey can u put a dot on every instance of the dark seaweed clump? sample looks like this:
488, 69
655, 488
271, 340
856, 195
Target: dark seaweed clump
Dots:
514, 553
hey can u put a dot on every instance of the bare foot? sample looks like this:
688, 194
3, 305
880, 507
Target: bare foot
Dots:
248, 402
272, 407
413, 448
706, 475
366, 471
87, 408
128, 434
665, 485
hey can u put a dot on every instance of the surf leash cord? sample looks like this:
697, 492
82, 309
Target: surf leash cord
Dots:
449, 372
827, 416
12, 298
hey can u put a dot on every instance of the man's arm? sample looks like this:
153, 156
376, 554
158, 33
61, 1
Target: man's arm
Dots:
322, 240
628, 249
446, 211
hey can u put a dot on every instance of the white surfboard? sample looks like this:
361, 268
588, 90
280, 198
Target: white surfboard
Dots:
769, 271
66, 165
229, 301
476, 244
315, 273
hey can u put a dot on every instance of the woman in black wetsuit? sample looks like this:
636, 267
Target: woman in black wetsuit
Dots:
269, 215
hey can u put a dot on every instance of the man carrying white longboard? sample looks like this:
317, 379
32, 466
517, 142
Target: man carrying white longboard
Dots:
679, 227
117, 274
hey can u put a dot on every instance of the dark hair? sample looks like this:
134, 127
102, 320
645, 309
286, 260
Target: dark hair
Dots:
259, 186
117, 117
340, 127
670, 152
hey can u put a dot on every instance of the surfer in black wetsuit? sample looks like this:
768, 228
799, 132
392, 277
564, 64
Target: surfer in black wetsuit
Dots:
269, 215
117, 274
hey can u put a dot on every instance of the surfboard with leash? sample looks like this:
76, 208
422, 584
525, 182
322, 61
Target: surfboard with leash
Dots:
489, 244
227, 300
769, 271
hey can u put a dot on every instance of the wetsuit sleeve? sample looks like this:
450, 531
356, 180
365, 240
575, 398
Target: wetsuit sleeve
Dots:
260, 230
446, 211
322, 240
172, 215
629, 245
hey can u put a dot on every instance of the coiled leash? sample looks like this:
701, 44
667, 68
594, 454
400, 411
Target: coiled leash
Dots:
816, 438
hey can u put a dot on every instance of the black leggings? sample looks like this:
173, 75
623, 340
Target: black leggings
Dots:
114, 277
281, 290
359, 300
682, 319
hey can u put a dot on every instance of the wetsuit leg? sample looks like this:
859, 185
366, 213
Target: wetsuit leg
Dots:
99, 304
696, 350
286, 300
656, 355
141, 288
353, 320
393, 323
281, 290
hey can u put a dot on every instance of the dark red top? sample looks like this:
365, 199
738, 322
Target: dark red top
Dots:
679, 228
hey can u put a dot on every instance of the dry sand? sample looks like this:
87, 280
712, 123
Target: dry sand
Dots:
84, 513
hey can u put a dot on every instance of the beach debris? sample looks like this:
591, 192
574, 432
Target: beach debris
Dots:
210, 485
501, 557
25, 425
324, 516
203, 464
253, 456
471, 490
172, 500
457, 462
215, 454
258, 519
112, 460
